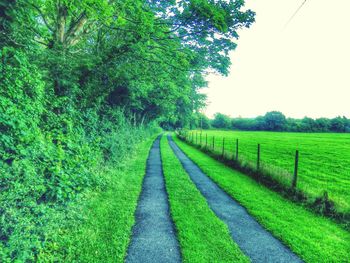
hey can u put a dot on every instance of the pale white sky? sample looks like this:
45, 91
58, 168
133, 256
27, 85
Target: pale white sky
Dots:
302, 70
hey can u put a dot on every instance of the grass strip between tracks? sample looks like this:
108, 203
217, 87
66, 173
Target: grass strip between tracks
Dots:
203, 237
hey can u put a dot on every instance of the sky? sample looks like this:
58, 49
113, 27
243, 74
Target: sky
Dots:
301, 70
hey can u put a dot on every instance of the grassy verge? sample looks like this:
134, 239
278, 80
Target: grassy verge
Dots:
313, 238
109, 216
203, 237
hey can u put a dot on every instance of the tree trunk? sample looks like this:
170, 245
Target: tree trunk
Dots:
61, 24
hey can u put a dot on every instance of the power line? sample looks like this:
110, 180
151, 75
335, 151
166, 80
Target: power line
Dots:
295, 13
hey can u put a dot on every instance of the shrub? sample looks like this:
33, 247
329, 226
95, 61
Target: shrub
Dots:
49, 158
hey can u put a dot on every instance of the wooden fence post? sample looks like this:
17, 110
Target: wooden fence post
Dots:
213, 144
236, 150
200, 140
258, 158
223, 147
196, 137
296, 164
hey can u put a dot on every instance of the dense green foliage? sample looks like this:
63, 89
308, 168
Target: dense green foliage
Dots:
323, 159
81, 83
221, 121
314, 238
46, 178
199, 242
109, 215
276, 121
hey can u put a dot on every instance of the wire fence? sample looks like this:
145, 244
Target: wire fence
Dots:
282, 166
230, 149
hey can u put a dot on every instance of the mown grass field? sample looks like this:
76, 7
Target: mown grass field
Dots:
324, 158
312, 237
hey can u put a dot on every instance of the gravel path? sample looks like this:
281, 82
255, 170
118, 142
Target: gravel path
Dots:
257, 243
154, 238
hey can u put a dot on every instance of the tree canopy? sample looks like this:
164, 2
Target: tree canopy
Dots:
147, 56
221, 121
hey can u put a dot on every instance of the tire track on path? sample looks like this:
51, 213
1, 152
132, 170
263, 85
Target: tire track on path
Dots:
257, 243
154, 238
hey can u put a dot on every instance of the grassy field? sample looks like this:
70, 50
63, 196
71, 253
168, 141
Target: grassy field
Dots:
324, 159
312, 237
197, 226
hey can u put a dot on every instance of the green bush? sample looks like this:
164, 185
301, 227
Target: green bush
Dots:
49, 159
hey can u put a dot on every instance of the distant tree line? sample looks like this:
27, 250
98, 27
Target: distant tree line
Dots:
274, 121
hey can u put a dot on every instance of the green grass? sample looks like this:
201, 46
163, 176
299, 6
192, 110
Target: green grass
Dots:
109, 216
324, 162
313, 238
203, 237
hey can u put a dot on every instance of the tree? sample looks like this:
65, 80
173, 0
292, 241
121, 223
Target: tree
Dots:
158, 49
221, 121
201, 121
347, 124
338, 124
275, 121
308, 125
323, 124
